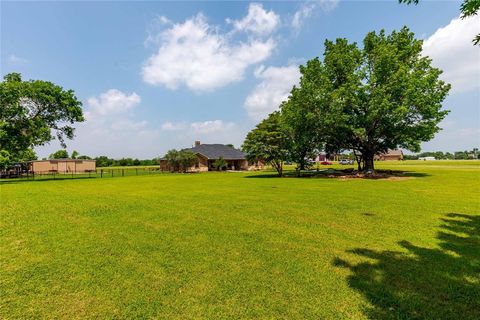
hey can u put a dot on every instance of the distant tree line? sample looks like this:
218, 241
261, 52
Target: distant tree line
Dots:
104, 161
457, 155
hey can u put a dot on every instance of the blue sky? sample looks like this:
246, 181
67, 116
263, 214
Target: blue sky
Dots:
158, 75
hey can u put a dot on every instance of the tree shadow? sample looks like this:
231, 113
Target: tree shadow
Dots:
423, 283
339, 173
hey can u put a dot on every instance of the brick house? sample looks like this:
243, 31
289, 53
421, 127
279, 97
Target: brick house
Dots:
207, 154
391, 155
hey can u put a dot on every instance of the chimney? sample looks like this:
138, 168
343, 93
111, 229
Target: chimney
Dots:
197, 143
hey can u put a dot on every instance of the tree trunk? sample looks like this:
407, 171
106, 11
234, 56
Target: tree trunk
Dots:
368, 162
358, 159
280, 169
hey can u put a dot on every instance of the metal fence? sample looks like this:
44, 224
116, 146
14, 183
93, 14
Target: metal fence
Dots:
98, 173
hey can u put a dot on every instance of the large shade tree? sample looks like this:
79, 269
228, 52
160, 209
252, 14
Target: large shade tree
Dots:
383, 96
34, 112
268, 142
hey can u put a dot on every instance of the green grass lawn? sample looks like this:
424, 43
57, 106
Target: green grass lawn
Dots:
244, 245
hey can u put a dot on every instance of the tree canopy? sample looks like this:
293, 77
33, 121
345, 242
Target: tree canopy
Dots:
220, 164
384, 95
180, 160
268, 141
34, 112
59, 154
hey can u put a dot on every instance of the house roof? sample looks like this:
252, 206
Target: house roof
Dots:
396, 152
62, 160
215, 151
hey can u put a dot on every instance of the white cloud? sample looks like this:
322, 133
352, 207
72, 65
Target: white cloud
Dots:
452, 50
113, 101
306, 10
258, 20
13, 59
196, 55
275, 86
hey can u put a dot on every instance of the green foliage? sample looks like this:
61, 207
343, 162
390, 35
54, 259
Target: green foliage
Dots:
26, 155
59, 154
467, 8
268, 142
383, 96
180, 161
220, 164
74, 154
5, 159
104, 161
33, 112
300, 114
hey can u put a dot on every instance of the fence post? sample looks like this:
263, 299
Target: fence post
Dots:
136, 171
111, 172
123, 173
101, 173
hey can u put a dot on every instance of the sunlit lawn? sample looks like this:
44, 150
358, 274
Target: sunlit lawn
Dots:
244, 245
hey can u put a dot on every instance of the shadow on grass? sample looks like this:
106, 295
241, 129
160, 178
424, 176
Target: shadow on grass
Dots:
332, 174
423, 283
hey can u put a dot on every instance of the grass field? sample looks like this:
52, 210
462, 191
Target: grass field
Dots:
244, 245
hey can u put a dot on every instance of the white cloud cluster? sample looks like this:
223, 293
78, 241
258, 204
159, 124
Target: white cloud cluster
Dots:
452, 50
113, 101
197, 55
304, 12
275, 86
258, 20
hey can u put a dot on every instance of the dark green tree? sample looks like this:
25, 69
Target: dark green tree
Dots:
268, 142
74, 154
59, 154
5, 159
33, 112
180, 161
220, 164
383, 96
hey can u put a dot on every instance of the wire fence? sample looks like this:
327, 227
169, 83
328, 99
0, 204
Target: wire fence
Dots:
98, 173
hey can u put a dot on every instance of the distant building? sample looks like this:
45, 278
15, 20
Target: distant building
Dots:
61, 166
391, 155
427, 158
207, 154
